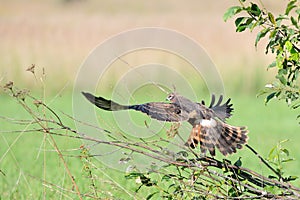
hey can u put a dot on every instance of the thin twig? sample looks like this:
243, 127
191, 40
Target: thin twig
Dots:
265, 162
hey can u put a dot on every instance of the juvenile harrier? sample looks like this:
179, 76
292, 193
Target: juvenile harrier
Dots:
209, 127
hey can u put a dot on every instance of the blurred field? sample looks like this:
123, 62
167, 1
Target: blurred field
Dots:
59, 35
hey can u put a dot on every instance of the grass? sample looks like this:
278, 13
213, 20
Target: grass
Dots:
29, 158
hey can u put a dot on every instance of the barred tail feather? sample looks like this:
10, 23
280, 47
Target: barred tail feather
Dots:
231, 139
200, 136
225, 137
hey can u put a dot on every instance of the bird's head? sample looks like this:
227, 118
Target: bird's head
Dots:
172, 97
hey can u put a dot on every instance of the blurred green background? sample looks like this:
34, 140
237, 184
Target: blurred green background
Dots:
58, 35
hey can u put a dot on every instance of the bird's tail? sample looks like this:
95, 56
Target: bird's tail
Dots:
232, 138
104, 103
225, 137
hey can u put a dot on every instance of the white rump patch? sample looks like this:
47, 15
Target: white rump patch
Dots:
208, 122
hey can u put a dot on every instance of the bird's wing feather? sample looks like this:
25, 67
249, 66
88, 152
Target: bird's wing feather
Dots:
103, 103
222, 111
162, 111
156, 110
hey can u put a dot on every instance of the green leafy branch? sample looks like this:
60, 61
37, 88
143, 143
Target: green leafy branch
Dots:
283, 32
278, 156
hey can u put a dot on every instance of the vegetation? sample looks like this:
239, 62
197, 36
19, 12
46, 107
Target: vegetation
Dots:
283, 33
65, 168
184, 174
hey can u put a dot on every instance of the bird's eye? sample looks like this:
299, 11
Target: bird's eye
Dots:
170, 97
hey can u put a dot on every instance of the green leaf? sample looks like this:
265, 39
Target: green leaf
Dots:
290, 6
238, 163
292, 178
253, 25
172, 185
132, 175
283, 141
288, 45
278, 94
233, 192
296, 105
254, 10
261, 92
273, 189
151, 195
294, 22
231, 12
271, 18
273, 64
287, 160
271, 156
286, 152
273, 34
241, 28
279, 61
261, 34
281, 17
241, 23
167, 177
282, 79
268, 98
147, 181
294, 56
272, 177
249, 24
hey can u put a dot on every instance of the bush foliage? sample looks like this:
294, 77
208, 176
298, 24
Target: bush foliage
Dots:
283, 34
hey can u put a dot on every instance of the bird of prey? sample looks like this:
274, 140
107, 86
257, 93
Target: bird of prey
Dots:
209, 127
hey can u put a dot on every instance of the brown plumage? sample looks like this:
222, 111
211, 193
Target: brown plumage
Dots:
209, 127
223, 136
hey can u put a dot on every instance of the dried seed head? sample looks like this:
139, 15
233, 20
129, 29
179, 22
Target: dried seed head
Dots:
37, 103
9, 85
21, 94
31, 68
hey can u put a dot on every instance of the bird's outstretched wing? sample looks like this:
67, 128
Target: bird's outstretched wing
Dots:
222, 111
104, 104
162, 111
157, 110
211, 134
